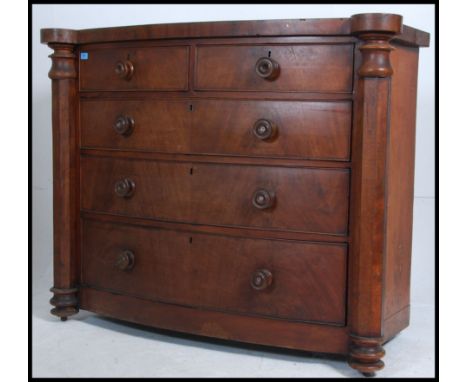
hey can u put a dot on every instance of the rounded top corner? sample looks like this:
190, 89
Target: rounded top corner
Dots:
59, 36
386, 23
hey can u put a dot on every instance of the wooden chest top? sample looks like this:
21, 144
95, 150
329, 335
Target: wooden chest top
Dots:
248, 180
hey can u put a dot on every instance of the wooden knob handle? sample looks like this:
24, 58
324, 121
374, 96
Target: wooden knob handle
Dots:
265, 130
261, 279
123, 125
125, 260
124, 188
263, 199
124, 69
267, 68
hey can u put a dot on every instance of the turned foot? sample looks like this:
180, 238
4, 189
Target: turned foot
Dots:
65, 302
365, 355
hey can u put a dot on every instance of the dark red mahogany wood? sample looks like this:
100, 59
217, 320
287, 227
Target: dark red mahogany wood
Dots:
231, 68
161, 68
217, 194
215, 272
315, 130
250, 180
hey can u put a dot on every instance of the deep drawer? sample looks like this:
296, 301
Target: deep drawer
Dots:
290, 199
309, 130
149, 68
302, 68
291, 280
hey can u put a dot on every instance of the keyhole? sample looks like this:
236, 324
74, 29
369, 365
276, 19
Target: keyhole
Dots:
269, 53
190, 240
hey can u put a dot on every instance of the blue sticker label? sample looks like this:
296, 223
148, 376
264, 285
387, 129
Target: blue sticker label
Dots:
84, 55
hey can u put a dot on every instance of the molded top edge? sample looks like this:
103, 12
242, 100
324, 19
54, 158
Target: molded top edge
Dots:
376, 22
56, 35
357, 24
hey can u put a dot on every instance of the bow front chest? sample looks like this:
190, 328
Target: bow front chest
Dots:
251, 181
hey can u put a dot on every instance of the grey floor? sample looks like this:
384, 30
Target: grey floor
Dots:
88, 345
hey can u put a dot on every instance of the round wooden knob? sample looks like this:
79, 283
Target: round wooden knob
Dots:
123, 125
263, 199
124, 69
261, 279
267, 68
263, 129
124, 188
125, 260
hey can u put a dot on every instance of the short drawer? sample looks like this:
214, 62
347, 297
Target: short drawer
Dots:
309, 130
152, 125
281, 279
144, 68
296, 67
290, 199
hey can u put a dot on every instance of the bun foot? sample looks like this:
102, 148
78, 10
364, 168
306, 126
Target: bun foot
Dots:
65, 302
365, 355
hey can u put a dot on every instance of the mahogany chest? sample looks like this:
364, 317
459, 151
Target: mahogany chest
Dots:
251, 181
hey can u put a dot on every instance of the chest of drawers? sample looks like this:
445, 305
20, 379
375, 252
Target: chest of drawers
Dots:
251, 181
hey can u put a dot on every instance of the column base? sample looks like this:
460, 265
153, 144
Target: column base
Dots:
65, 301
365, 355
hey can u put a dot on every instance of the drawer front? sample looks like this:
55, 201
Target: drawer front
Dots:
162, 126
302, 68
291, 280
315, 130
161, 189
150, 68
290, 199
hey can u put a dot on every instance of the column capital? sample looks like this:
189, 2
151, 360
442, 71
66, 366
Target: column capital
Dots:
376, 30
63, 61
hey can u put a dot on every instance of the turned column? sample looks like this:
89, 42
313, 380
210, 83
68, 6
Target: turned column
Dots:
367, 225
63, 74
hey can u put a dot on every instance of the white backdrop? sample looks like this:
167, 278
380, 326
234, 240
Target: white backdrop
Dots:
94, 16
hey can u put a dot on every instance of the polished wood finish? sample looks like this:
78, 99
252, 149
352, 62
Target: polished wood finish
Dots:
300, 204
241, 232
64, 93
214, 272
400, 186
300, 68
312, 130
375, 31
158, 68
251, 28
365, 355
315, 130
381, 188
207, 158
250, 181
218, 194
234, 327
161, 126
